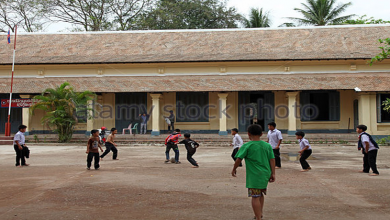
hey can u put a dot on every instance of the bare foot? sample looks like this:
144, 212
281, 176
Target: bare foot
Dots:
304, 170
374, 174
277, 167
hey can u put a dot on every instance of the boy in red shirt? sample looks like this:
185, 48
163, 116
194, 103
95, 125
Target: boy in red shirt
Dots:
171, 143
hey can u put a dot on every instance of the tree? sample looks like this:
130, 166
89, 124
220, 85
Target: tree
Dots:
364, 20
190, 14
322, 12
257, 19
62, 105
127, 12
287, 25
385, 54
27, 14
98, 15
92, 15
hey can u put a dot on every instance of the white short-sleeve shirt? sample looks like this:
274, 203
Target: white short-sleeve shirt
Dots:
366, 139
237, 141
303, 143
20, 138
274, 137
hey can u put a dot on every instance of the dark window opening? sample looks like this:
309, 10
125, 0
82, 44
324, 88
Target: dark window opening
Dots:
192, 107
320, 106
384, 116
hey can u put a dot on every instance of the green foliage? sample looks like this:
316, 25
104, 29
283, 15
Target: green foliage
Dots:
322, 12
386, 105
189, 14
36, 139
61, 106
343, 142
365, 20
385, 51
383, 141
287, 25
257, 19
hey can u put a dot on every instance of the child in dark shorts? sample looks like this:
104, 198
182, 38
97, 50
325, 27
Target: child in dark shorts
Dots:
111, 145
93, 150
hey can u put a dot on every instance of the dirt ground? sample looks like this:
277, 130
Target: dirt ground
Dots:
140, 186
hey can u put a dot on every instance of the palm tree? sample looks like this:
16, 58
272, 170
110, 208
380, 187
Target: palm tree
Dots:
322, 12
257, 19
62, 105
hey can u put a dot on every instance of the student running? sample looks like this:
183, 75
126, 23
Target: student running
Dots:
260, 167
191, 147
111, 145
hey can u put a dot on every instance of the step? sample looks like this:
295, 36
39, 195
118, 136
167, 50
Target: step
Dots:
3, 138
6, 142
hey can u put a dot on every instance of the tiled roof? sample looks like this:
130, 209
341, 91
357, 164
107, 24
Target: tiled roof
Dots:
288, 82
332, 42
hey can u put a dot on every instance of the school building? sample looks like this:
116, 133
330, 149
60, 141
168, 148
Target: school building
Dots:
315, 79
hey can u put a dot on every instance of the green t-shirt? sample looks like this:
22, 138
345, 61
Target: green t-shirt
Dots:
257, 155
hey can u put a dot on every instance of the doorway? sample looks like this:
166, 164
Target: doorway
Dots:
255, 108
355, 113
128, 107
16, 116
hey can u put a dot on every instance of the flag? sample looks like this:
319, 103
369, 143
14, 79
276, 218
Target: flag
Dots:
9, 37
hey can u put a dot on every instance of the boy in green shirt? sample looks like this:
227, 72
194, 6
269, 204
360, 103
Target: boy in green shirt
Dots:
260, 167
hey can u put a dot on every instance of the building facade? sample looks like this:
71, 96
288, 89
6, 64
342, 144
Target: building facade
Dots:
312, 79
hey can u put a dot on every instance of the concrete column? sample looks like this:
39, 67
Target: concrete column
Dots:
156, 114
90, 121
365, 111
222, 115
26, 117
292, 121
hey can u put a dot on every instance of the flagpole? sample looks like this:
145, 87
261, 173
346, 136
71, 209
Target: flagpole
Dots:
8, 124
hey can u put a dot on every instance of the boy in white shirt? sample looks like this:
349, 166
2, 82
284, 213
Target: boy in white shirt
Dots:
275, 139
237, 143
19, 144
369, 149
305, 151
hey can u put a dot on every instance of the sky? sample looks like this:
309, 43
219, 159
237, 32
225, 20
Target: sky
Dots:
280, 9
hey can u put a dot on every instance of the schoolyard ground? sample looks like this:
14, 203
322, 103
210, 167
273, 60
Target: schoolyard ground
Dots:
57, 185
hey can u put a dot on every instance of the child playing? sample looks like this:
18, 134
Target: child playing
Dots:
19, 146
237, 143
93, 150
260, 166
305, 151
191, 149
369, 149
171, 143
275, 139
111, 145
102, 135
